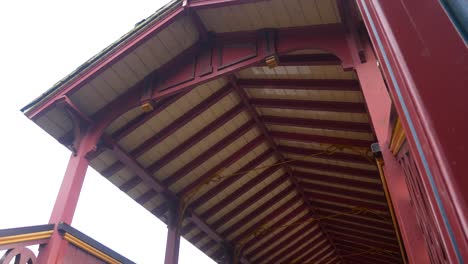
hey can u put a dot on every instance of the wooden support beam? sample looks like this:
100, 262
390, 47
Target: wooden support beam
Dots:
306, 255
338, 156
196, 138
300, 84
253, 183
335, 168
304, 176
210, 152
343, 190
380, 207
279, 253
308, 138
233, 158
340, 107
251, 201
317, 123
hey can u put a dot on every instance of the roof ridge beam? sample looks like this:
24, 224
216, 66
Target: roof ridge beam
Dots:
263, 129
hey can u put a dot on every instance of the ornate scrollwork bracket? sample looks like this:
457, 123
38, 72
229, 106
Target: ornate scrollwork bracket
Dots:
20, 255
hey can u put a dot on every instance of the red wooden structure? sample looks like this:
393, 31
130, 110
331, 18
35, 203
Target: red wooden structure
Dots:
247, 127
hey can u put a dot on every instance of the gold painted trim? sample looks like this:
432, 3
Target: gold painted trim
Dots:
93, 251
398, 137
380, 164
25, 237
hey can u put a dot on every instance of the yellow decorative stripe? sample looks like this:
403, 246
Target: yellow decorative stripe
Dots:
380, 164
25, 237
398, 137
77, 242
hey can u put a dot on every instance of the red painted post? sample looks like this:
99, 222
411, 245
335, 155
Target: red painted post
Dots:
173, 238
379, 105
66, 202
424, 61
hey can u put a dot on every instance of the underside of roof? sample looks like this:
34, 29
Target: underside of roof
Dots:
272, 160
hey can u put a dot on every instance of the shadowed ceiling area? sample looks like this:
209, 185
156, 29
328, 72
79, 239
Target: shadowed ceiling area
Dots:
267, 161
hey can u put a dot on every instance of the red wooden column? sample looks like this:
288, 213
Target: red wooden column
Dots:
424, 59
66, 202
379, 106
173, 238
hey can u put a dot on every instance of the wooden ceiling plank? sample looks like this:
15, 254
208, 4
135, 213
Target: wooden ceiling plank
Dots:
310, 257
207, 154
288, 244
181, 121
196, 138
279, 235
250, 201
253, 183
233, 158
275, 213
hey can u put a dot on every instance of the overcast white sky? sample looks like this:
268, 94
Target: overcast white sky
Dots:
41, 42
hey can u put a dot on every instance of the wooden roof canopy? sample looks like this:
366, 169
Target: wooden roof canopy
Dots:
239, 114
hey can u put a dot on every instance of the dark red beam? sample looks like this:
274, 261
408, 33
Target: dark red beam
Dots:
302, 175
266, 219
224, 164
343, 190
303, 256
300, 84
197, 137
368, 228
334, 168
343, 107
289, 244
320, 59
308, 138
252, 183
369, 219
346, 201
354, 248
250, 201
366, 233
181, 121
257, 161
317, 123
366, 259
250, 217
364, 241
280, 232
210, 152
